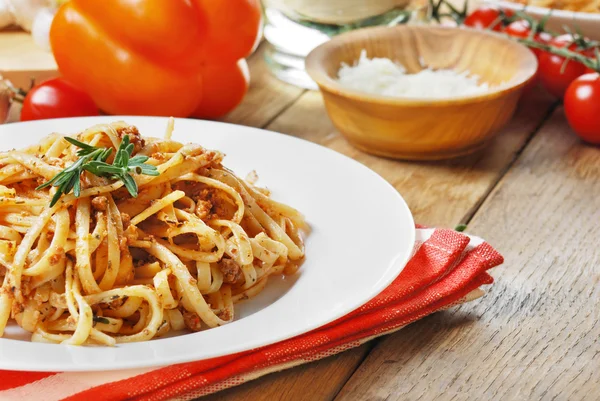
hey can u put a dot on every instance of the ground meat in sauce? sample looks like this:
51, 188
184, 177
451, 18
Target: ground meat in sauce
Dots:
115, 303
191, 189
56, 257
100, 203
54, 161
192, 321
217, 201
203, 209
159, 156
134, 137
123, 243
130, 233
17, 308
141, 257
210, 202
126, 219
225, 314
231, 270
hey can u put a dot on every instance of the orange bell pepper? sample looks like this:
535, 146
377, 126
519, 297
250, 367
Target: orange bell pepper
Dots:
158, 57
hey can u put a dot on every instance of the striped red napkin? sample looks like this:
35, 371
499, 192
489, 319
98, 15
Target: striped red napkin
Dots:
447, 268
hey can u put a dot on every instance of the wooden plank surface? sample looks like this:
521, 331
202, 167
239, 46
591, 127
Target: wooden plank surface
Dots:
21, 59
503, 345
536, 335
439, 194
459, 184
18, 52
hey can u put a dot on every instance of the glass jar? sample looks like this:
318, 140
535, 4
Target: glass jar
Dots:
294, 27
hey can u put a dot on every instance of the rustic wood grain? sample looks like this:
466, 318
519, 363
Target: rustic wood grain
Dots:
439, 194
21, 59
320, 380
457, 184
19, 52
536, 334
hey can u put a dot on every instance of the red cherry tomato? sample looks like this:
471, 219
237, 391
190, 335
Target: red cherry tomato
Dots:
543, 37
522, 29
570, 40
485, 17
555, 73
56, 98
519, 29
564, 39
582, 107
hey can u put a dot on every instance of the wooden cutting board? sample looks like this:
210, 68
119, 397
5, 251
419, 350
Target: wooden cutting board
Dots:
21, 59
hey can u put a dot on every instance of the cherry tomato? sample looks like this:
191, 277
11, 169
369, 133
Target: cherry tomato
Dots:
522, 29
570, 40
555, 73
56, 98
543, 37
486, 16
518, 29
582, 107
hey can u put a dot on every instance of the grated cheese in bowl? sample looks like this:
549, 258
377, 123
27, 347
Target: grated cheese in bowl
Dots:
381, 76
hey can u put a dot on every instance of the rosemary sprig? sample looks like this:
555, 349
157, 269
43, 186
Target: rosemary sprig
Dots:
93, 160
569, 55
100, 319
460, 228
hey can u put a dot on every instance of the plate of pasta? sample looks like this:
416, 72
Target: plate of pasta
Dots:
134, 242
578, 15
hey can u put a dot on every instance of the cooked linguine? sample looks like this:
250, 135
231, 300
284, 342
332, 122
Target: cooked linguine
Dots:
116, 264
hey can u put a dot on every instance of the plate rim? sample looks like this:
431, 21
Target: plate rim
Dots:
70, 366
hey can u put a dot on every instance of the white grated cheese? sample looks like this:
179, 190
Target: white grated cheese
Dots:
381, 76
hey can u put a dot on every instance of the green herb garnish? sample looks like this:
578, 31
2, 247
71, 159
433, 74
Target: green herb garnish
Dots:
93, 159
460, 228
100, 319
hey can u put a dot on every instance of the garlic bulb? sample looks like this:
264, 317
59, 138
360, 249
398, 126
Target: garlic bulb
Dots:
6, 16
21, 12
40, 29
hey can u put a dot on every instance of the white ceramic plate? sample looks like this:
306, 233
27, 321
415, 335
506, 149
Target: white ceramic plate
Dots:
362, 236
588, 23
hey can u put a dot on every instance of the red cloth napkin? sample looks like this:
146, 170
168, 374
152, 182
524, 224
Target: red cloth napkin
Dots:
447, 268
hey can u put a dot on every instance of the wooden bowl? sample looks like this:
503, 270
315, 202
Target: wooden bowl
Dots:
423, 129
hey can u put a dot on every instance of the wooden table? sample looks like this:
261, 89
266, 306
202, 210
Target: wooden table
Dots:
534, 194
